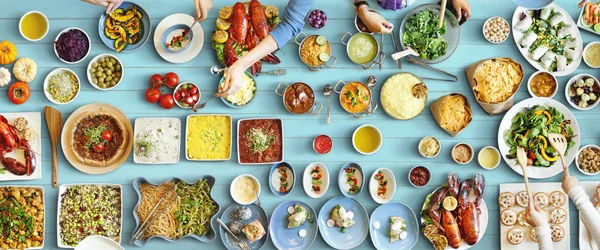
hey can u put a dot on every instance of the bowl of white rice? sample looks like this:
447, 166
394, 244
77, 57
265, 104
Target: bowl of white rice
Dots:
244, 96
404, 96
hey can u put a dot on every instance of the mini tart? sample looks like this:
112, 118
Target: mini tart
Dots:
533, 235
558, 233
521, 219
541, 199
557, 198
508, 217
506, 199
558, 216
522, 199
515, 236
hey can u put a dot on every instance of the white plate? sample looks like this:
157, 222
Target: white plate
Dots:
62, 189
192, 51
585, 242
517, 35
538, 172
391, 185
97, 242
35, 122
187, 122
307, 180
143, 122
547, 187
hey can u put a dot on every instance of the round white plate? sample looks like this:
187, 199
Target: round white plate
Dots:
538, 172
192, 51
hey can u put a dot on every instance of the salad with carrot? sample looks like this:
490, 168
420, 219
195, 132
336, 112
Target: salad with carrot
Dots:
530, 129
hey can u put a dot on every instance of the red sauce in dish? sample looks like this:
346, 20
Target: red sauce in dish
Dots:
322, 144
260, 141
419, 176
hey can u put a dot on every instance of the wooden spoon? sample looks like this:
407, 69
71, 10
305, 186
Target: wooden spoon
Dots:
54, 122
522, 159
442, 12
559, 143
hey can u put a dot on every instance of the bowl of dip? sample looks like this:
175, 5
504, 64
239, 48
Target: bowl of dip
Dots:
429, 147
367, 139
245, 189
462, 153
322, 144
419, 176
362, 49
591, 55
488, 157
542, 84
34, 26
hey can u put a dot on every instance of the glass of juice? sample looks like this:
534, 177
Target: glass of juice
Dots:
34, 26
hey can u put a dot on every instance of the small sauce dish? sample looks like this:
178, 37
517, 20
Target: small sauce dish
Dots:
243, 189
488, 157
462, 153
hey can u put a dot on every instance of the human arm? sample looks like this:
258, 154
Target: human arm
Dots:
202, 9
589, 214
462, 8
538, 218
375, 22
111, 5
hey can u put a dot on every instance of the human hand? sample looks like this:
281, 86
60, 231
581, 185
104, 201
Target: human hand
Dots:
202, 9
375, 22
582, 3
535, 215
569, 182
111, 5
234, 80
462, 8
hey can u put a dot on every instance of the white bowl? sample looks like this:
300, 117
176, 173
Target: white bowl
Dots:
47, 26
307, 180
421, 142
391, 185
256, 183
428, 181
65, 30
472, 153
178, 86
380, 139
585, 50
95, 59
577, 159
479, 157
573, 80
46, 85
531, 78
490, 19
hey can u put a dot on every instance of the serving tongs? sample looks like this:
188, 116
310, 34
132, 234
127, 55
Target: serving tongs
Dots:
411, 52
152, 217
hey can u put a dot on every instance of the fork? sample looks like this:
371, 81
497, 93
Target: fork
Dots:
559, 142
278, 72
241, 243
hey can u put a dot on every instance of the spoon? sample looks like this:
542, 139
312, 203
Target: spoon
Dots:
215, 70
257, 198
327, 91
371, 82
201, 105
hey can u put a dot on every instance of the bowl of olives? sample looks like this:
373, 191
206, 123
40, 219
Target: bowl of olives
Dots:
105, 72
583, 91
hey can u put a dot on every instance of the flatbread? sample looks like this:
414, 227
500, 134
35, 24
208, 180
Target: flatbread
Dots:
113, 151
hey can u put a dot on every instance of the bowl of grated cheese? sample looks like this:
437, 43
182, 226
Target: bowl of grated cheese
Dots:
62, 86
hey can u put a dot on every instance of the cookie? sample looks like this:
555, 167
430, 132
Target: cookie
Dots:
515, 236
522, 199
506, 199
558, 233
541, 199
533, 235
508, 217
557, 198
558, 216
521, 219
21, 124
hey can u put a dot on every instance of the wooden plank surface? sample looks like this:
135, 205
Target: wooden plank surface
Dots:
398, 153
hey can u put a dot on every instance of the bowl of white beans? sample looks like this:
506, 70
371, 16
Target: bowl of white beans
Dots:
496, 30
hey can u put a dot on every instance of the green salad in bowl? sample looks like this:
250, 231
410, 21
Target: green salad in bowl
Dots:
530, 128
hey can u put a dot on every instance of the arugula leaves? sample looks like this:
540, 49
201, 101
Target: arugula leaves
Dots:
423, 35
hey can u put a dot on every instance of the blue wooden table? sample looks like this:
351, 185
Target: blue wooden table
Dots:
399, 150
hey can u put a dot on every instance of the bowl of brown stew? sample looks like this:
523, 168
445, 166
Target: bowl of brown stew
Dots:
299, 98
314, 51
260, 141
355, 97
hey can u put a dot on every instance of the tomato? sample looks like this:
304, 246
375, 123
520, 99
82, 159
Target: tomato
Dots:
183, 93
189, 100
171, 80
194, 90
195, 98
86, 139
107, 136
177, 96
152, 95
156, 80
99, 147
19, 92
529, 162
167, 101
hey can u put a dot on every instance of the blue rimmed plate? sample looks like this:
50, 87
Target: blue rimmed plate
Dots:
288, 238
212, 234
345, 184
275, 179
354, 235
146, 26
258, 213
382, 214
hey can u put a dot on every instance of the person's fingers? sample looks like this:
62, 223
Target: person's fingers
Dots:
204, 15
109, 8
468, 13
116, 5
458, 13
198, 10
234, 88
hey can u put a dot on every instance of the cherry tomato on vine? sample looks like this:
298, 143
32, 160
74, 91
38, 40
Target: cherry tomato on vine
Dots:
156, 80
167, 101
152, 95
171, 80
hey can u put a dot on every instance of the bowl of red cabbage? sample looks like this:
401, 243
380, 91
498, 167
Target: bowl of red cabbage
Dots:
72, 45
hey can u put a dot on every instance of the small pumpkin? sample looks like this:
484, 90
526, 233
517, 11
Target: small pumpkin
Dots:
8, 52
4, 77
25, 69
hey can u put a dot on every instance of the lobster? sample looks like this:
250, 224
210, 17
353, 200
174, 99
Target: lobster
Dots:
451, 229
9, 141
435, 202
258, 19
453, 184
469, 210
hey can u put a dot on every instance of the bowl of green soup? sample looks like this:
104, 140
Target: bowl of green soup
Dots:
362, 48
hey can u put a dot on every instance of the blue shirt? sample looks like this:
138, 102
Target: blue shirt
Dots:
293, 21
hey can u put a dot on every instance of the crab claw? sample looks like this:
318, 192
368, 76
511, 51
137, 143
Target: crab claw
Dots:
479, 188
271, 58
453, 184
